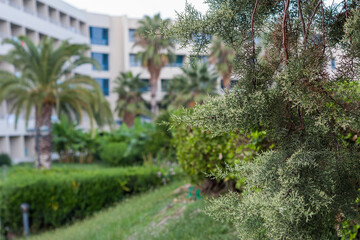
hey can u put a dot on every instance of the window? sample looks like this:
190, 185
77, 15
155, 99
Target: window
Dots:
99, 36
104, 84
333, 64
165, 84
179, 61
134, 62
132, 35
146, 88
102, 59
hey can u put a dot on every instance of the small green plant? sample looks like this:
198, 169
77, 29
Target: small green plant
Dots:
202, 155
5, 159
116, 153
350, 228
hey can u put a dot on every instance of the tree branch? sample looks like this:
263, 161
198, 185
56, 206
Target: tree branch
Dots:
284, 32
301, 17
253, 38
323, 26
311, 18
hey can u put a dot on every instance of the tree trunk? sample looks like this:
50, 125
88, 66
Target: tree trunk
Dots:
129, 118
153, 84
44, 119
227, 80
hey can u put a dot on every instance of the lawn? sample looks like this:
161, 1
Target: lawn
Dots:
160, 214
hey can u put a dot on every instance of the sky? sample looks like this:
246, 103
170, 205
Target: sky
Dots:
137, 8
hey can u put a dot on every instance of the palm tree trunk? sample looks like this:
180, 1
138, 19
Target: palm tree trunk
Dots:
129, 118
44, 119
227, 80
153, 84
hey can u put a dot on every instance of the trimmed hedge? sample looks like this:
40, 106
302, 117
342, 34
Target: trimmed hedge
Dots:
59, 196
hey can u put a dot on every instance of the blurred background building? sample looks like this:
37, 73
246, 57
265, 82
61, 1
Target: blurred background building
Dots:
111, 39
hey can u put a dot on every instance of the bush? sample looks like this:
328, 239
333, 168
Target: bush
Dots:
159, 143
133, 138
116, 154
5, 159
201, 154
59, 196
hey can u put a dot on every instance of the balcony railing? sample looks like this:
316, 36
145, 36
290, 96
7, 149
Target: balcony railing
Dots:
73, 29
54, 21
29, 10
64, 25
14, 4
4, 35
42, 16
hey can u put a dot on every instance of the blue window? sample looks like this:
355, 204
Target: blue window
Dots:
104, 84
179, 61
333, 64
165, 84
99, 36
102, 59
146, 88
132, 35
134, 62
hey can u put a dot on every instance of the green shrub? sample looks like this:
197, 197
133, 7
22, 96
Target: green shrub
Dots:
159, 143
5, 159
201, 154
134, 138
116, 153
59, 196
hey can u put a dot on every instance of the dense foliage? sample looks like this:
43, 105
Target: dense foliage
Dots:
130, 103
5, 159
203, 155
306, 185
118, 154
157, 51
45, 85
64, 194
194, 85
73, 144
124, 146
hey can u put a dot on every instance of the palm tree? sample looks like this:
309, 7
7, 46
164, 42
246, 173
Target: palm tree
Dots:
157, 50
195, 84
46, 83
222, 57
130, 102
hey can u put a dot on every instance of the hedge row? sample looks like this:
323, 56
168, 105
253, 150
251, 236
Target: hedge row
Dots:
62, 195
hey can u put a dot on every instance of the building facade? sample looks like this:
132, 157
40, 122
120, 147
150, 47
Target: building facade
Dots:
111, 39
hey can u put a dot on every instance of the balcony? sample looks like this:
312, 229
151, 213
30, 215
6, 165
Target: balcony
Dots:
73, 29
14, 4
42, 16
54, 21
4, 35
29, 10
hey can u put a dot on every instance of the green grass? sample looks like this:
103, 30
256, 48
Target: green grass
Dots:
6, 172
160, 214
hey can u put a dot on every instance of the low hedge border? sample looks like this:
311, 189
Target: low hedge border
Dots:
59, 196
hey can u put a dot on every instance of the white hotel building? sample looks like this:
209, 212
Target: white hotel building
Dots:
111, 39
